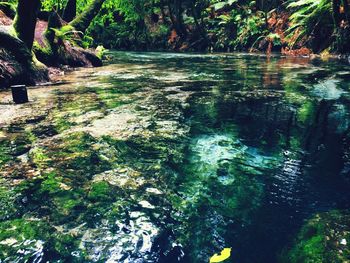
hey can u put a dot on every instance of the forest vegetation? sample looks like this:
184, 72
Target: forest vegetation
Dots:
59, 32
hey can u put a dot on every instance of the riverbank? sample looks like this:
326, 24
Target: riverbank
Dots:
19, 65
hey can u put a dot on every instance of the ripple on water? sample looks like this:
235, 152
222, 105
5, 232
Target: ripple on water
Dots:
288, 182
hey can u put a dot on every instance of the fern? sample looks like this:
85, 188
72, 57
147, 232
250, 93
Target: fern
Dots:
307, 16
67, 33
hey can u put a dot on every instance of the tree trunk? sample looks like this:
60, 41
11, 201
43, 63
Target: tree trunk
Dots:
175, 13
24, 70
336, 13
54, 22
70, 11
162, 6
82, 22
199, 26
25, 20
346, 10
180, 21
15, 46
8, 9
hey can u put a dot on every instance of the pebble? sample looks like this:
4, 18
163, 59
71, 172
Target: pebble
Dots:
343, 242
146, 204
154, 191
9, 242
65, 187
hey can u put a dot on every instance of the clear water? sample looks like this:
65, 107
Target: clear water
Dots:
162, 157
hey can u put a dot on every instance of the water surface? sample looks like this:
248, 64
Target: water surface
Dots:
160, 157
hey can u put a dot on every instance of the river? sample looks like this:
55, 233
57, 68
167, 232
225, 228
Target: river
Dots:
161, 157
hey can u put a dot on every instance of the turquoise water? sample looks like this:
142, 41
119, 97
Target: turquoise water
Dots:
160, 157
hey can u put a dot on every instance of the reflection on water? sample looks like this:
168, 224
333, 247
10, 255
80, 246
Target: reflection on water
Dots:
173, 157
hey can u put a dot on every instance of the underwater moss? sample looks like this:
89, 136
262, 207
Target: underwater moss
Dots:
62, 124
67, 206
39, 157
324, 238
100, 192
21, 238
8, 205
4, 153
75, 156
16, 144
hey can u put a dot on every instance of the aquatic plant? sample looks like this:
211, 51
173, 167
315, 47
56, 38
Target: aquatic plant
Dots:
323, 238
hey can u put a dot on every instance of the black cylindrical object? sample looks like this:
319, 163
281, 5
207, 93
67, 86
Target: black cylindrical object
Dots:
19, 94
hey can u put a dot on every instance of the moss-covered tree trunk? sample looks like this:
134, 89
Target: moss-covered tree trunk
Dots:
23, 69
82, 21
16, 46
25, 20
8, 9
70, 12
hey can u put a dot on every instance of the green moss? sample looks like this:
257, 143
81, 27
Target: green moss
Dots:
100, 192
31, 136
78, 153
51, 184
15, 144
306, 112
8, 198
4, 153
65, 244
52, 196
319, 240
100, 51
76, 143
19, 238
65, 204
76, 156
105, 201
43, 54
112, 98
62, 124
39, 157
21, 229
311, 250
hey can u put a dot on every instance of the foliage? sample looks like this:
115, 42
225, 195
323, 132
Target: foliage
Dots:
121, 24
205, 24
310, 17
59, 5
67, 33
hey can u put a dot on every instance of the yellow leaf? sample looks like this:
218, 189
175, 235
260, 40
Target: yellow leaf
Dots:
223, 255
